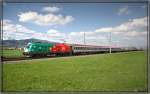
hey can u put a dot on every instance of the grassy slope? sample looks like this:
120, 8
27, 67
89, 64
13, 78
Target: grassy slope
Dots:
103, 72
12, 53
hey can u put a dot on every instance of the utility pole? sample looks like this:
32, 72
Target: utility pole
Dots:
84, 39
64, 41
110, 43
16, 41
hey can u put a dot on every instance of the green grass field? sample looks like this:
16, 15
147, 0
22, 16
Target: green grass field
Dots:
12, 53
102, 72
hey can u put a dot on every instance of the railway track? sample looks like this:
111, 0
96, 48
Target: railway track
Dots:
21, 58
13, 58
27, 58
31, 58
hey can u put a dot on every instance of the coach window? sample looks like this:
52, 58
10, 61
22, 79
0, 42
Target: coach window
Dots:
80, 48
83, 48
76, 48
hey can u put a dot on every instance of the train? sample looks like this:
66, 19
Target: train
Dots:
37, 49
43, 49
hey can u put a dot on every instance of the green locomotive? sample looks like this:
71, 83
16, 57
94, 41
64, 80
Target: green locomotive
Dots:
38, 49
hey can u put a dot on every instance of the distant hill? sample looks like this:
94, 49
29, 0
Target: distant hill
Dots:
22, 43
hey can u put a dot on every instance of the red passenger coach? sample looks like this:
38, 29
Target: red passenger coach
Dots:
61, 49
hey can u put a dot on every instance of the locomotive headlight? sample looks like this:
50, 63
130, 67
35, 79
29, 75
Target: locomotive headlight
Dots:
26, 50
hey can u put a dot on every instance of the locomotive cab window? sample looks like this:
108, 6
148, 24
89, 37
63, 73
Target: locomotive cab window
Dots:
28, 46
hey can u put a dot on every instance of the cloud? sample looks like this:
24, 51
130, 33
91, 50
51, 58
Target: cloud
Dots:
135, 33
132, 29
123, 10
135, 25
131, 32
108, 29
15, 28
91, 37
51, 9
28, 16
54, 33
15, 31
48, 19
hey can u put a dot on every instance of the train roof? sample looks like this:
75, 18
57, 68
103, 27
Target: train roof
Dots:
81, 45
39, 43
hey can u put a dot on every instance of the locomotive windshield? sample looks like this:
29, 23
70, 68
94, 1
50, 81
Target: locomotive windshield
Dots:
28, 45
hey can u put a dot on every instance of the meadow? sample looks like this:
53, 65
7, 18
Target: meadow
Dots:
125, 71
12, 53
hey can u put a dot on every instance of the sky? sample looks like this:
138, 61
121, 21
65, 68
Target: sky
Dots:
126, 23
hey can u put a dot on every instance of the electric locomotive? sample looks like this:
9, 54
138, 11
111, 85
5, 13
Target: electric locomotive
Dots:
61, 49
37, 49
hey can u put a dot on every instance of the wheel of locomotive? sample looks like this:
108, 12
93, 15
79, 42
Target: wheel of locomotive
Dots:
31, 55
45, 55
